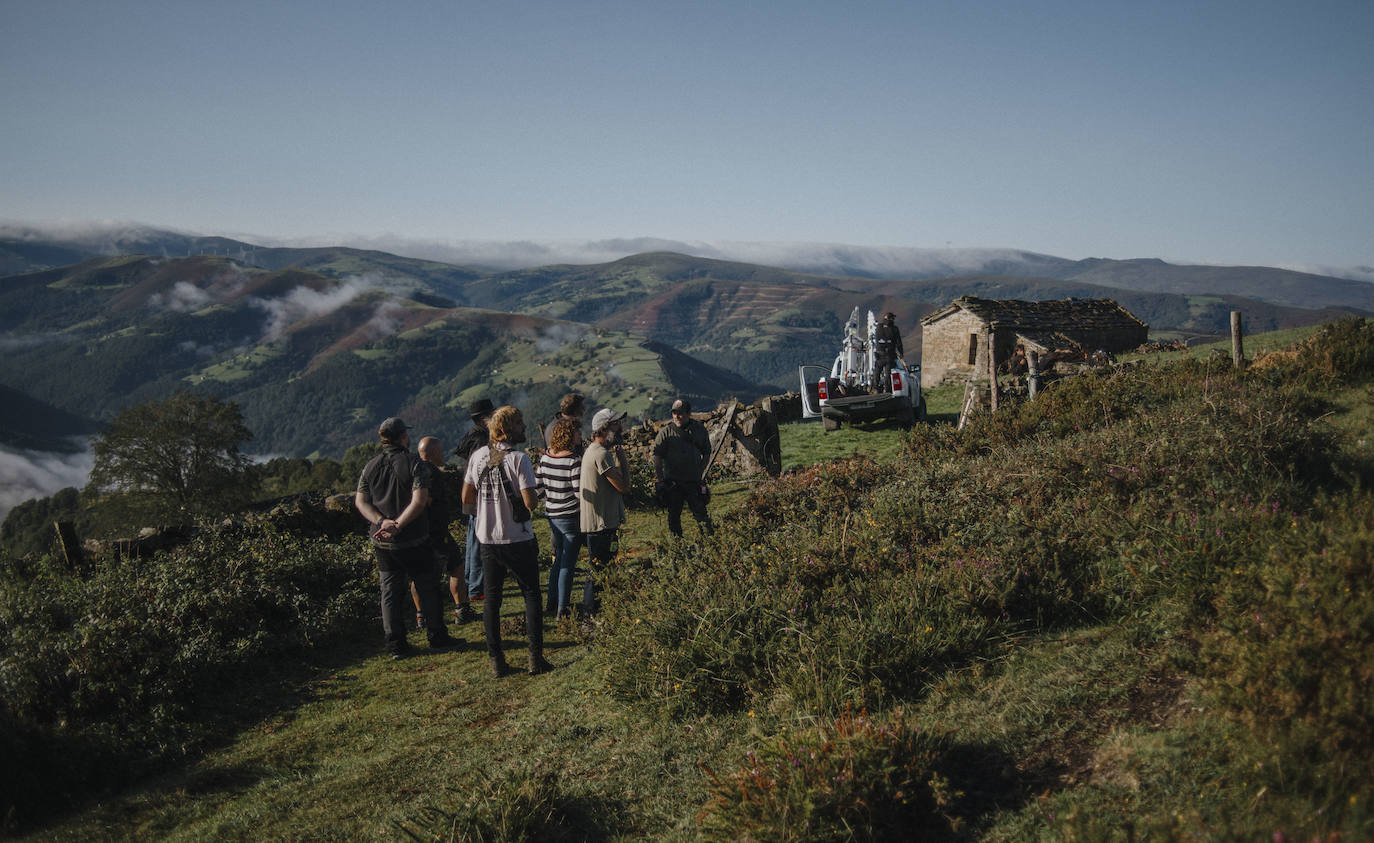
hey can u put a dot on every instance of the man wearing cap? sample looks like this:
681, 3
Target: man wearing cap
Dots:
605, 478
887, 347
680, 453
392, 494
474, 439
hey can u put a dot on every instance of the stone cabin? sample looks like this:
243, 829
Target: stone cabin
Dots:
955, 338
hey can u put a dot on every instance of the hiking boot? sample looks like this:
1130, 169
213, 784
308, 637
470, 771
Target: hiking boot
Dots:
401, 653
499, 668
466, 614
445, 642
539, 664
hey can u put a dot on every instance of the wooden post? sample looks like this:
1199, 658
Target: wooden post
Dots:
1237, 347
992, 372
71, 548
970, 398
1032, 373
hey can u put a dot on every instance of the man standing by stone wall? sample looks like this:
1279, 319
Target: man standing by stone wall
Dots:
680, 453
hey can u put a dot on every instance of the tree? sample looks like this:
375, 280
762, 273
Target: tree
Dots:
176, 459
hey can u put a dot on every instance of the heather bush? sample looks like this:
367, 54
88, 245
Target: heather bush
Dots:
850, 778
857, 583
1292, 653
120, 659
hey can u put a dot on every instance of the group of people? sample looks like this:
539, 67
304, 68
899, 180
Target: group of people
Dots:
410, 502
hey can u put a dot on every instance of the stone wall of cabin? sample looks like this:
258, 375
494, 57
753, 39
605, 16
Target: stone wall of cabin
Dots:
945, 347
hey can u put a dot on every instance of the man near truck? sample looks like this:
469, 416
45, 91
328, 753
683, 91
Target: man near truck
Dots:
887, 347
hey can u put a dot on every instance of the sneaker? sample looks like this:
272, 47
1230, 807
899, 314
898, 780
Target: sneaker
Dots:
419, 621
538, 665
465, 614
401, 653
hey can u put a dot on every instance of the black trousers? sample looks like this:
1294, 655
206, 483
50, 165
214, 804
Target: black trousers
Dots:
689, 494
396, 568
520, 560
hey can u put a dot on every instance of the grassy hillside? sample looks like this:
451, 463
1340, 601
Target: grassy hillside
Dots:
316, 357
1138, 608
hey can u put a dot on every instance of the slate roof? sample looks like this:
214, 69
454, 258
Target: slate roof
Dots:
1042, 317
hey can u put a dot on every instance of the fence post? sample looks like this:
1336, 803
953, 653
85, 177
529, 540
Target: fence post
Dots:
1032, 373
1237, 346
992, 371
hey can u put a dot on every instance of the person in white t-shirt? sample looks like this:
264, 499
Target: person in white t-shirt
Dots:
500, 482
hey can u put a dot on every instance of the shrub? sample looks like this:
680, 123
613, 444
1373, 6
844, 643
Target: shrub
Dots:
1292, 654
120, 661
852, 778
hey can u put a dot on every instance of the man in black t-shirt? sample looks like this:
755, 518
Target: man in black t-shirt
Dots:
392, 494
887, 348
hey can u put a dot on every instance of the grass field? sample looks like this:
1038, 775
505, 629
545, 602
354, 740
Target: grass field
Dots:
1102, 725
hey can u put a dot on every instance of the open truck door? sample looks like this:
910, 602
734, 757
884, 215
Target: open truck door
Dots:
811, 376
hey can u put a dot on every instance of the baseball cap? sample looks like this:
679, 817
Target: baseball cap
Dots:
604, 417
393, 428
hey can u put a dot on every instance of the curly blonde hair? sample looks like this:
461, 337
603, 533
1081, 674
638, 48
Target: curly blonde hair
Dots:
562, 433
501, 421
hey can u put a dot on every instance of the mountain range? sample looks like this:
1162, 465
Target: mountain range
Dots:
317, 344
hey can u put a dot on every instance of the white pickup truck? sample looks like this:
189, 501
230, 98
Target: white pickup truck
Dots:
845, 392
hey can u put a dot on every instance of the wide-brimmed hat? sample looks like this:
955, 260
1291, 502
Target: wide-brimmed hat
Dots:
481, 407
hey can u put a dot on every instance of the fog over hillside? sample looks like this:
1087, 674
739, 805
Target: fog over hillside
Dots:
112, 237
25, 474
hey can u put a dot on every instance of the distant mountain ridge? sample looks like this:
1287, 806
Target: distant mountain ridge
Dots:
317, 343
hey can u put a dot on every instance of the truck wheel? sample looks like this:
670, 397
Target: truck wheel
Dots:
908, 418
829, 424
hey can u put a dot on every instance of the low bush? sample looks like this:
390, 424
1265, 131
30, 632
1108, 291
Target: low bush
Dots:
849, 779
1292, 653
855, 583
118, 661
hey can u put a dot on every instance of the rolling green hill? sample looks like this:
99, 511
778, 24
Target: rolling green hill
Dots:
315, 361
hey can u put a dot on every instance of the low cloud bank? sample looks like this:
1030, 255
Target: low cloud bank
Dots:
25, 474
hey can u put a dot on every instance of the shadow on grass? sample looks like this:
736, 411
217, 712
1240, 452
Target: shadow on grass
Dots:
50, 775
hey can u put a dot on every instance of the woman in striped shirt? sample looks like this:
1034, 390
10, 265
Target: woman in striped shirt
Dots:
557, 482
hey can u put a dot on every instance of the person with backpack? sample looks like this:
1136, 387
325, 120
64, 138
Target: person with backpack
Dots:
499, 482
393, 492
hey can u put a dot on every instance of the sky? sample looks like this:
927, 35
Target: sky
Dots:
1204, 132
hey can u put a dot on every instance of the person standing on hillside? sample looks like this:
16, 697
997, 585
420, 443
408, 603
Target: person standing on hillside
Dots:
474, 439
444, 493
887, 348
499, 482
571, 407
392, 494
559, 476
681, 449
604, 480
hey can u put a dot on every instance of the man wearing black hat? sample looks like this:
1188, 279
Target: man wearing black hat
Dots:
392, 494
680, 453
887, 347
474, 439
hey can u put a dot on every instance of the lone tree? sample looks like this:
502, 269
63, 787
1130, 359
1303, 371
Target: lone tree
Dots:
176, 459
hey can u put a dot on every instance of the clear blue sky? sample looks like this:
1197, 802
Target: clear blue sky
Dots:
1233, 132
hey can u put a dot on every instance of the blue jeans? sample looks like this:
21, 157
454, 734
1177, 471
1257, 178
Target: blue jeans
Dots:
567, 544
473, 563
